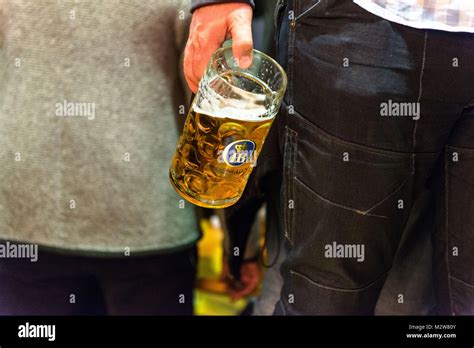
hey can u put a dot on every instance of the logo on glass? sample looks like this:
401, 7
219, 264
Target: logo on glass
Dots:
239, 152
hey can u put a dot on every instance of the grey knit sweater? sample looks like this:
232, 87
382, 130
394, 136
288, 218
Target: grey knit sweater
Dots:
89, 91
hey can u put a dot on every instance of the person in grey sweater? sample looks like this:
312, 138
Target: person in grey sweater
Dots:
90, 93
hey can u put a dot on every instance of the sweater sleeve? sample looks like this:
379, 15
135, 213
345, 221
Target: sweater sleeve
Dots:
181, 31
195, 4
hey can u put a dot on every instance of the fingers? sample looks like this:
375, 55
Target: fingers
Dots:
206, 34
241, 31
250, 279
209, 27
246, 290
201, 44
205, 44
191, 79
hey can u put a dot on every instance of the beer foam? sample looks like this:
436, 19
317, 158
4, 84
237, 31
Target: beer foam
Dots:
223, 100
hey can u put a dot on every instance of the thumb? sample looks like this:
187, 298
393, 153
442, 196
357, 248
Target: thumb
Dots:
242, 43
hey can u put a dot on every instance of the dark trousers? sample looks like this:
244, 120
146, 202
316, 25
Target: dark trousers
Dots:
355, 175
75, 285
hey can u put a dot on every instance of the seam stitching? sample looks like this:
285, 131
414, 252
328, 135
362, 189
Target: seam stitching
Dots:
446, 201
292, 183
420, 92
288, 175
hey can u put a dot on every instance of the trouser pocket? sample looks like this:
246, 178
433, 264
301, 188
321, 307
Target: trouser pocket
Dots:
347, 206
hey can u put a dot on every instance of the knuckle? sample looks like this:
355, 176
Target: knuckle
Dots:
239, 17
200, 38
198, 27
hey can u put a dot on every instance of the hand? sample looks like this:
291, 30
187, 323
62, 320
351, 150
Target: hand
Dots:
250, 276
211, 25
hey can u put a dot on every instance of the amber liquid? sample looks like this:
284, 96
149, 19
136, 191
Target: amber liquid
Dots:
198, 170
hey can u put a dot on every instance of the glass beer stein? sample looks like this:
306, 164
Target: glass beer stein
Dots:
226, 127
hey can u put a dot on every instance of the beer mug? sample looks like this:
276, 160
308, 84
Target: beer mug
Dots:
226, 127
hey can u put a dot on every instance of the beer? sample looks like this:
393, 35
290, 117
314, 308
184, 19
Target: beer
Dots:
224, 132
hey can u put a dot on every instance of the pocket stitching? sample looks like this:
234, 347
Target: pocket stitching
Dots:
328, 201
457, 148
355, 210
365, 287
388, 153
461, 281
301, 15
